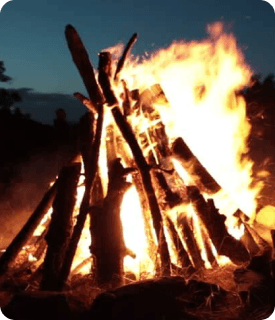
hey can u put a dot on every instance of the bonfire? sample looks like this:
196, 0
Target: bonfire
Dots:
158, 208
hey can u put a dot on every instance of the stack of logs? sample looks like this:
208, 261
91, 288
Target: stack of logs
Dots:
152, 176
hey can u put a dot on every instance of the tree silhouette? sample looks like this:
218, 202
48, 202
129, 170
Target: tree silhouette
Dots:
3, 77
7, 97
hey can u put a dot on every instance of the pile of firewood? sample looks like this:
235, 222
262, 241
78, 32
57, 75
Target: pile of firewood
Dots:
153, 176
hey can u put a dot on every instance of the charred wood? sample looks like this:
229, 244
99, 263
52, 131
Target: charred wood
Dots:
215, 224
90, 176
126, 105
129, 136
171, 198
192, 165
148, 187
249, 242
108, 245
104, 75
207, 245
182, 254
61, 227
262, 243
185, 225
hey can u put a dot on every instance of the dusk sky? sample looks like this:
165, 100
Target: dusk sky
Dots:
36, 55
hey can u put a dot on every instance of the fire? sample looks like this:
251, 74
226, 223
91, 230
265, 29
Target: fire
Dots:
200, 81
134, 235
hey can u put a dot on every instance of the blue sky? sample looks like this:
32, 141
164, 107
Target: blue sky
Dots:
36, 56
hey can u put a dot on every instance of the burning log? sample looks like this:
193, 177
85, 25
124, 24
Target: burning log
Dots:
191, 243
249, 242
261, 243
142, 165
182, 254
27, 231
61, 227
126, 105
247, 238
108, 245
192, 165
171, 198
148, 187
156, 134
209, 253
104, 69
214, 222
82, 62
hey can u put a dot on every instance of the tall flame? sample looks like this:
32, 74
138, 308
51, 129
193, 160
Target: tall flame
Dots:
200, 80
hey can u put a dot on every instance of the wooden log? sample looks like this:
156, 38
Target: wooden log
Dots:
86, 136
81, 59
126, 105
126, 52
192, 165
142, 165
83, 64
182, 254
261, 243
207, 245
104, 69
162, 298
247, 238
214, 223
185, 225
144, 170
108, 245
110, 145
249, 242
61, 226
85, 204
28, 229
171, 198
156, 131
86, 102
